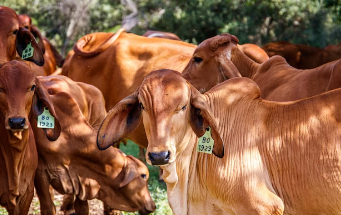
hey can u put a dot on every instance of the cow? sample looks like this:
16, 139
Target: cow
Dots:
277, 158
303, 56
51, 55
117, 64
73, 165
218, 58
161, 34
15, 38
22, 98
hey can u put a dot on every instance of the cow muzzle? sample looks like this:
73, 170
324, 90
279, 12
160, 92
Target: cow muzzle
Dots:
159, 158
17, 123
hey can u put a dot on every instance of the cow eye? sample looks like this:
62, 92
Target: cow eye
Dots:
144, 176
197, 59
15, 32
33, 88
184, 107
141, 105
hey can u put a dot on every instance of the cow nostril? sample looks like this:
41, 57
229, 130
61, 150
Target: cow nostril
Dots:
167, 156
22, 124
10, 122
151, 157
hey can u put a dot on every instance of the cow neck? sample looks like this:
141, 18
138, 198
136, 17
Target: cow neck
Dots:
12, 152
246, 66
176, 175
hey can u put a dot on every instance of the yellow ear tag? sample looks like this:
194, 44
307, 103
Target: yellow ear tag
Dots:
45, 120
206, 142
28, 52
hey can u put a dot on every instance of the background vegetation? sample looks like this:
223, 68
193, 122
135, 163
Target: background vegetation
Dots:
312, 22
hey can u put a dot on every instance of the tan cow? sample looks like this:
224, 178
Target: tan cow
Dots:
21, 98
117, 64
73, 165
15, 38
303, 56
217, 58
279, 158
51, 55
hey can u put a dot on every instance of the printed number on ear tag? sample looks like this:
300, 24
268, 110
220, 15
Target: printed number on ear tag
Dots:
205, 143
45, 120
28, 52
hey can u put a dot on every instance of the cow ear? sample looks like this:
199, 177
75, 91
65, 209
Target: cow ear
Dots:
201, 118
24, 37
120, 122
41, 100
129, 171
229, 70
36, 33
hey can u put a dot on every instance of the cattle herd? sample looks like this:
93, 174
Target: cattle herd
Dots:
234, 131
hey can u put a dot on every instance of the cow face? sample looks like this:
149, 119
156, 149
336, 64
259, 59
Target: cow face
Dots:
131, 192
14, 37
20, 92
211, 63
171, 110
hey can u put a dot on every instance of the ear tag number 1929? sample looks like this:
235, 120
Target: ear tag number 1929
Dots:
205, 143
45, 120
28, 52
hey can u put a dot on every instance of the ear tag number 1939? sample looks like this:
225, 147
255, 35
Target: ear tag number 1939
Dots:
205, 143
28, 52
45, 120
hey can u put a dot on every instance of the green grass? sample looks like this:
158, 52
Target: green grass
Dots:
157, 189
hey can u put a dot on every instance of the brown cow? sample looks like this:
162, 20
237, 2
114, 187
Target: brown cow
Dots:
303, 56
15, 38
117, 64
277, 80
21, 98
279, 158
73, 165
51, 55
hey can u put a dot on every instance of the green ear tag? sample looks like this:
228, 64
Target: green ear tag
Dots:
28, 52
45, 120
205, 143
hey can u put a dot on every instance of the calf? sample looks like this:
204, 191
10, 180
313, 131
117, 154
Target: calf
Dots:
218, 59
14, 37
279, 158
22, 98
73, 165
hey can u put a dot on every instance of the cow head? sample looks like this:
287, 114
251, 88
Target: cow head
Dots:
14, 37
20, 95
131, 192
171, 110
26, 21
211, 62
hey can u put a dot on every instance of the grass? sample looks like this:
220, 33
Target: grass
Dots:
157, 189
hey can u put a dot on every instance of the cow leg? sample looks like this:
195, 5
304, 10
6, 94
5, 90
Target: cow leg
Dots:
141, 155
68, 204
27, 199
42, 185
81, 207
